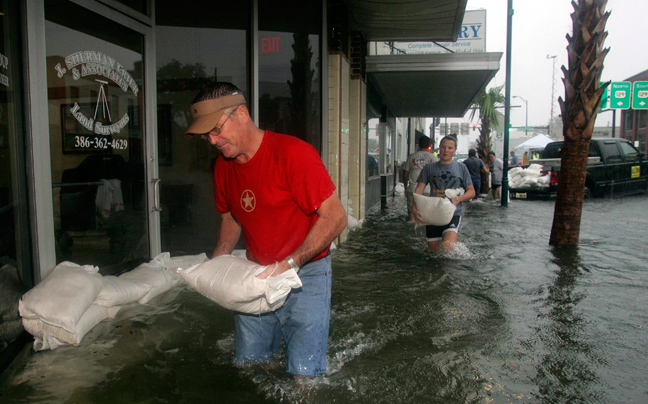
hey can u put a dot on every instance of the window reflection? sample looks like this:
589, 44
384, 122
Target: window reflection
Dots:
192, 50
289, 69
95, 94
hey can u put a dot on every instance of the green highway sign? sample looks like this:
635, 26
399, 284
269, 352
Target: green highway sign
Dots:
605, 100
640, 95
620, 95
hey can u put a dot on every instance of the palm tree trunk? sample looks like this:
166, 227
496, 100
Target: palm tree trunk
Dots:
483, 148
579, 110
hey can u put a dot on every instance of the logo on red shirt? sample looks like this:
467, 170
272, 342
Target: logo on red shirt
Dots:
248, 200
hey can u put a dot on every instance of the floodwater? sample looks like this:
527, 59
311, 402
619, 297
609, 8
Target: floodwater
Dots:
506, 319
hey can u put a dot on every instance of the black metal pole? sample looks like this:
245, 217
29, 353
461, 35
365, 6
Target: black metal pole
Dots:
507, 110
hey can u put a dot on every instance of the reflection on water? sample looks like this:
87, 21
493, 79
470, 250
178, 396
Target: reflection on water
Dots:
504, 319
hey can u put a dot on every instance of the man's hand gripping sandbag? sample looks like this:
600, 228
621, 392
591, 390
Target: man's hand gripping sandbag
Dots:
231, 282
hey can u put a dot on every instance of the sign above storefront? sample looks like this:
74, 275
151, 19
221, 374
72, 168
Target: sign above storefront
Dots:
471, 39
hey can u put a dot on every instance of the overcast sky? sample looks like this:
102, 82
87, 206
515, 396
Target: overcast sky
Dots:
539, 29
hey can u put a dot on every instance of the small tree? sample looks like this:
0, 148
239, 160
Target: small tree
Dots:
579, 110
486, 106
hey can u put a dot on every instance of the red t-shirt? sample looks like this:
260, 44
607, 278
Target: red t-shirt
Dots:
274, 195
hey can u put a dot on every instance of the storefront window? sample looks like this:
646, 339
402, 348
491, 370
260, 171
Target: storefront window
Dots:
192, 50
387, 149
15, 263
373, 148
97, 138
290, 68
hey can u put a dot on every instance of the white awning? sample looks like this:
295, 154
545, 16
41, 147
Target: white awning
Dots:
437, 85
407, 20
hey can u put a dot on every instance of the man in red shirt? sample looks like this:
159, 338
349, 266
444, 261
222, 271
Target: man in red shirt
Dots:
275, 190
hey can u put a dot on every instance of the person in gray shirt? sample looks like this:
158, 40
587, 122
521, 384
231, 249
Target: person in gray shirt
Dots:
442, 175
497, 170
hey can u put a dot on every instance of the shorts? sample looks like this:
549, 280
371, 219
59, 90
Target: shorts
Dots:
435, 233
495, 186
302, 322
410, 202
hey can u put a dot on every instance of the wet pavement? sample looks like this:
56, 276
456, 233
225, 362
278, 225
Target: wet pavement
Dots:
504, 319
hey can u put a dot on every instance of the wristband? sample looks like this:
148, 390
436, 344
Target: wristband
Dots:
292, 263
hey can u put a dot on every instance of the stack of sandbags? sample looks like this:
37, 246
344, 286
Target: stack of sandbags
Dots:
231, 282
60, 309
73, 299
530, 177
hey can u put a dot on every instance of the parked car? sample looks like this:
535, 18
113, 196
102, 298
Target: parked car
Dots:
614, 167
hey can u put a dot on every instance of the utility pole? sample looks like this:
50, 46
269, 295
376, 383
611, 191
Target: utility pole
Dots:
526, 118
507, 102
553, 91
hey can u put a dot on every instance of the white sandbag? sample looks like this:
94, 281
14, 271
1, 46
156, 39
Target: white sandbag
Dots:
535, 167
185, 261
544, 180
515, 171
435, 211
452, 192
231, 282
118, 291
156, 276
64, 296
399, 188
42, 330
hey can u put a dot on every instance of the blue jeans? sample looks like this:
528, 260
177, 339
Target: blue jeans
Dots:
302, 321
477, 184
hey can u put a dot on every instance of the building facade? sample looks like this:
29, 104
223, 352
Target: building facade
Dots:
634, 122
95, 96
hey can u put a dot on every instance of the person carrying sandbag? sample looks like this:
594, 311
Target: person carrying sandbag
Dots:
444, 176
275, 190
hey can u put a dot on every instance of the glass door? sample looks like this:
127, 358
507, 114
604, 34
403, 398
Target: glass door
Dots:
95, 76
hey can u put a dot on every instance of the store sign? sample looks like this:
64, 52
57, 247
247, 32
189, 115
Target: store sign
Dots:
471, 39
88, 64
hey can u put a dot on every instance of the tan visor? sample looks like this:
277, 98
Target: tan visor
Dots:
206, 114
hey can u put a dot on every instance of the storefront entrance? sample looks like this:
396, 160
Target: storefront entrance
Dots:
97, 138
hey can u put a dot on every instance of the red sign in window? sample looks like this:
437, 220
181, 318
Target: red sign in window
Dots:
270, 44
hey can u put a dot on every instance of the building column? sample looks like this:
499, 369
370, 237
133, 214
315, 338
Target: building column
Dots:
338, 116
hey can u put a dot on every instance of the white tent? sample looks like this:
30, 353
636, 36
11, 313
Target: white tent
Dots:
536, 142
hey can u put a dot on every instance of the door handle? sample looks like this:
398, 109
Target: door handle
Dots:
156, 195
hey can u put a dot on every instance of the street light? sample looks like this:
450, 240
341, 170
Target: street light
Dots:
553, 93
526, 120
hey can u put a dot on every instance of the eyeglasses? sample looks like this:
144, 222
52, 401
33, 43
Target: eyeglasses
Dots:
217, 129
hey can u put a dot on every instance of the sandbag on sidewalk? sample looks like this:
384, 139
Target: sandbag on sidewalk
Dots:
48, 336
155, 275
231, 282
119, 291
64, 296
435, 211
